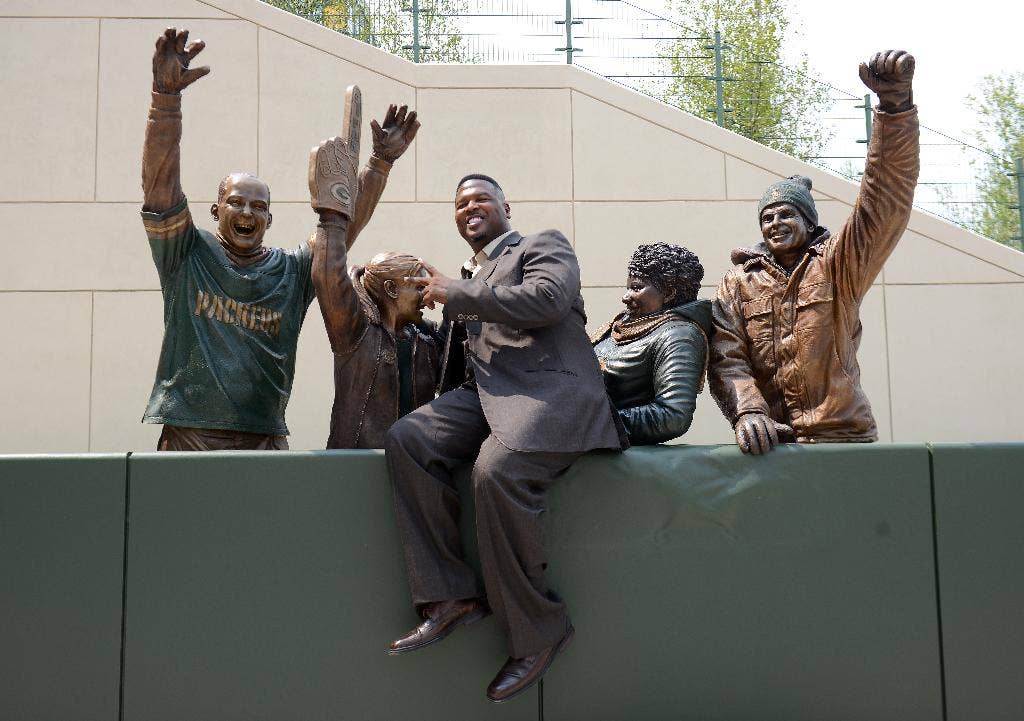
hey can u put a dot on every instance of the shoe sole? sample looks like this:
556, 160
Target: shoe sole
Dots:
468, 619
562, 645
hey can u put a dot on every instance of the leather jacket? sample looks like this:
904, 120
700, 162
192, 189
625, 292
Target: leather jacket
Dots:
654, 368
786, 344
367, 381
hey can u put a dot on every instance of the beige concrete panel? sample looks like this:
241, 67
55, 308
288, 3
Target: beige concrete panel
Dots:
520, 137
704, 132
45, 378
607, 233
127, 331
620, 156
309, 408
873, 359
302, 101
918, 259
48, 143
445, 75
947, 233
317, 36
75, 246
219, 111
955, 358
109, 8
423, 229
745, 181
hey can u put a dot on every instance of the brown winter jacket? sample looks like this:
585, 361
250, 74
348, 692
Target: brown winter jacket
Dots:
786, 345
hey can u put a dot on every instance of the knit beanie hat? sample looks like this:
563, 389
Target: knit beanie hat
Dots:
795, 190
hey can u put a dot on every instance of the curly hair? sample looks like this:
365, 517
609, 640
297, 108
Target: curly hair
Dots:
668, 267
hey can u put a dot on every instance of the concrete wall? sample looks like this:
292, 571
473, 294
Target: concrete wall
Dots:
609, 167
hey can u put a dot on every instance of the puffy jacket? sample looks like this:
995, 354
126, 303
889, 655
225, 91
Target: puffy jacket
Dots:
654, 368
786, 344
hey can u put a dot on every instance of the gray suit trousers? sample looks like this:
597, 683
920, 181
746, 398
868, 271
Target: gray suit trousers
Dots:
510, 493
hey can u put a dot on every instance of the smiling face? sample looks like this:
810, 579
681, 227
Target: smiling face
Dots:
242, 213
786, 233
643, 297
481, 213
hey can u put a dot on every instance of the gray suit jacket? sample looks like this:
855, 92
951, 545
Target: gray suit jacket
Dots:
539, 381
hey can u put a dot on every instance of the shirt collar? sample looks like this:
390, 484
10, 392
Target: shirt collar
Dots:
474, 263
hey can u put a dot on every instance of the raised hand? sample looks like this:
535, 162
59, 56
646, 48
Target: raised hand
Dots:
171, 73
334, 164
890, 74
399, 129
756, 433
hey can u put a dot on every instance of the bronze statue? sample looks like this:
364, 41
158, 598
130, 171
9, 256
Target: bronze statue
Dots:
386, 356
232, 307
786, 317
534, 404
654, 354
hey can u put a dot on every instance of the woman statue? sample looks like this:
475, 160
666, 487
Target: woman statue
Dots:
654, 354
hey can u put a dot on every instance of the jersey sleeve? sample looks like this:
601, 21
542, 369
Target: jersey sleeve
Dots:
171, 236
304, 261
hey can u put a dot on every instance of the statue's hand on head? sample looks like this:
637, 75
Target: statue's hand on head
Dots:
399, 129
756, 433
890, 75
171, 73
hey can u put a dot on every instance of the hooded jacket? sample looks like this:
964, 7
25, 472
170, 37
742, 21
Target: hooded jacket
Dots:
786, 344
654, 368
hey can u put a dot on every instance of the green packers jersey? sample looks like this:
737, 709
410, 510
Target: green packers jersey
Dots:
230, 332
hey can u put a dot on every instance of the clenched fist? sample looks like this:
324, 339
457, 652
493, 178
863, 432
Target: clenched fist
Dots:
890, 74
171, 73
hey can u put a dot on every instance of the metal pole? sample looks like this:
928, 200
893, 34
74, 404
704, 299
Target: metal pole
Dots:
568, 22
415, 31
867, 118
1018, 174
719, 82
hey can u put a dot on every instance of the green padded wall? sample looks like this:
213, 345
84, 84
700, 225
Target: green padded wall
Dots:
61, 547
707, 585
267, 586
979, 503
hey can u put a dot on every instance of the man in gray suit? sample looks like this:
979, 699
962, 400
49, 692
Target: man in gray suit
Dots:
534, 403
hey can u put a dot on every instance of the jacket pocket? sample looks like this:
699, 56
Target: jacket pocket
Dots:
814, 307
757, 317
759, 322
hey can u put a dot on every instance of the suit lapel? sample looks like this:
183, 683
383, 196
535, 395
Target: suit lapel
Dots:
487, 270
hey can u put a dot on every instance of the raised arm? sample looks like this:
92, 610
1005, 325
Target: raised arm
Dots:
332, 188
161, 152
390, 141
882, 210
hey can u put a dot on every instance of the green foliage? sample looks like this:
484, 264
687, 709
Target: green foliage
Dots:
1000, 107
779, 106
387, 24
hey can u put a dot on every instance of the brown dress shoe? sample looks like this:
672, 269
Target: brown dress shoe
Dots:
441, 619
519, 674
